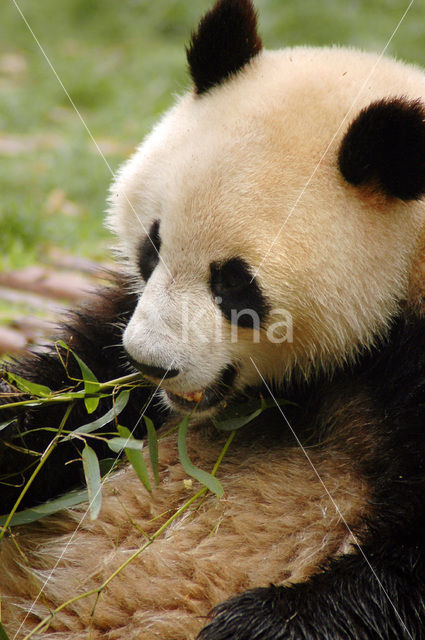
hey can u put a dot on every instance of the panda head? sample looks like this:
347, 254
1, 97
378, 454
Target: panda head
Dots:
271, 217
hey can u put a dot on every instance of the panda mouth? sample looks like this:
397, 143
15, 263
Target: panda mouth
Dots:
207, 398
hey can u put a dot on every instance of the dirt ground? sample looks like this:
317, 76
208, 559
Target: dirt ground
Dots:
35, 298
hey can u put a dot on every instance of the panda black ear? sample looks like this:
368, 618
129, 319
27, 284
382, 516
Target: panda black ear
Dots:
385, 146
226, 39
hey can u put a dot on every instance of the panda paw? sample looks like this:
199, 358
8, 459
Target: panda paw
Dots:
259, 614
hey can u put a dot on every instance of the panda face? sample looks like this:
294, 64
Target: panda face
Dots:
256, 251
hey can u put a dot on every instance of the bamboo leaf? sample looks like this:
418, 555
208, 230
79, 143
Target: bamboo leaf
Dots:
3, 634
199, 474
70, 395
106, 466
238, 415
118, 444
232, 424
92, 475
135, 458
26, 516
153, 448
91, 383
34, 389
3, 425
109, 416
91, 403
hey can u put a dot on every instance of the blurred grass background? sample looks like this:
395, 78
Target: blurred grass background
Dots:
121, 62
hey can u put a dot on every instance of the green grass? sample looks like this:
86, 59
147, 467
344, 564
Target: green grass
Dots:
121, 62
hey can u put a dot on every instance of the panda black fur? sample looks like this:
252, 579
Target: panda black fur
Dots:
285, 180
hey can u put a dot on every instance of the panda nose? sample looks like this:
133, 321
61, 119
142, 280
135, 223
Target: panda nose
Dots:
154, 372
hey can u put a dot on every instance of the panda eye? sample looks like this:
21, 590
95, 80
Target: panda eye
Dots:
149, 251
237, 293
233, 275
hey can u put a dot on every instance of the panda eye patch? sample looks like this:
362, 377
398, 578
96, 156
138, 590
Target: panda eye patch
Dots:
149, 251
232, 275
237, 293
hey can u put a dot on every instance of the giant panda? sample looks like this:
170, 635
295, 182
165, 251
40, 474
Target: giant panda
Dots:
271, 234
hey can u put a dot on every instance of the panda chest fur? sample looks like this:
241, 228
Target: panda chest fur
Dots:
264, 530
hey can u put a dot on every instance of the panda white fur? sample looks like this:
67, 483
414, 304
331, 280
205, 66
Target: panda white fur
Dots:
280, 197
